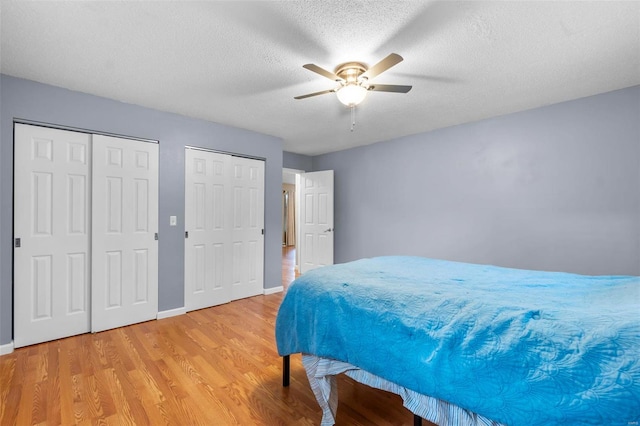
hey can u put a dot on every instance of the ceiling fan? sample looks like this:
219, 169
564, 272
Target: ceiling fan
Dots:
353, 80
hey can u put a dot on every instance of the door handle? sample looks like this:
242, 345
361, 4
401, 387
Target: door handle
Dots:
328, 230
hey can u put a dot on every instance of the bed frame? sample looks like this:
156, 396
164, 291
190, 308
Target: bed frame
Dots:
286, 380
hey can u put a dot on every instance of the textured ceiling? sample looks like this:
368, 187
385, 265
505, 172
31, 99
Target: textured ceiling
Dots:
240, 63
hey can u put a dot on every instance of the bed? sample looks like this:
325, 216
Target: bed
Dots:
470, 344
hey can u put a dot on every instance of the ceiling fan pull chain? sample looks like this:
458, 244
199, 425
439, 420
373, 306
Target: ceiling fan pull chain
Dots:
353, 117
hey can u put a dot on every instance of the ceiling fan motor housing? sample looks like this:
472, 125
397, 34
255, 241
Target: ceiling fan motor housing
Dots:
351, 71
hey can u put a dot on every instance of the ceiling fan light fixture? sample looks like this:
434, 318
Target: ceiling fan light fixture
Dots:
351, 94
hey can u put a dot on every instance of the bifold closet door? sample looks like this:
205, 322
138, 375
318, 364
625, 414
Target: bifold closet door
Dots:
124, 232
52, 225
207, 272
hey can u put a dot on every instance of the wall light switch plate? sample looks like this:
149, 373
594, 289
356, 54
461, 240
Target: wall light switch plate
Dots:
173, 220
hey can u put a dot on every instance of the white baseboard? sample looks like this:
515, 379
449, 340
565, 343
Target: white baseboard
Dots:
273, 290
171, 313
6, 349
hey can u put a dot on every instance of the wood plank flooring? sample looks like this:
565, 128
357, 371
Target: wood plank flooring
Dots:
215, 366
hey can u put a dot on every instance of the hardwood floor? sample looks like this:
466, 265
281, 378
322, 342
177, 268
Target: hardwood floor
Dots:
215, 366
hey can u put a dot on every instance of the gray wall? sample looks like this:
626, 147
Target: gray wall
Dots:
38, 102
295, 161
555, 188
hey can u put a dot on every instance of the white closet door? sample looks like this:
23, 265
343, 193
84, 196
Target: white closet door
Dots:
125, 222
247, 227
207, 256
52, 221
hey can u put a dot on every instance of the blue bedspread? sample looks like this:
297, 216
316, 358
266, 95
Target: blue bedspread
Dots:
519, 347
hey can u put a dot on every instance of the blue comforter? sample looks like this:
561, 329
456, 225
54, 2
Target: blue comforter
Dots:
519, 347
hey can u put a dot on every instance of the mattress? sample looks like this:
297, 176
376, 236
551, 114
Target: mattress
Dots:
515, 346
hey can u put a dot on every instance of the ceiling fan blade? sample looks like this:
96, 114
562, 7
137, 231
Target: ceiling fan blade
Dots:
383, 65
314, 94
390, 88
322, 72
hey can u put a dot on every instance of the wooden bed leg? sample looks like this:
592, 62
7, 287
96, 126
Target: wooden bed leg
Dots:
417, 420
286, 370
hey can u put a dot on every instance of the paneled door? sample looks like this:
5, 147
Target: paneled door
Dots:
247, 227
85, 226
207, 271
316, 220
124, 232
52, 234
224, 224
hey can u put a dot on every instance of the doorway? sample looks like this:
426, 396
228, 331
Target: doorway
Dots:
289, 225
307, 223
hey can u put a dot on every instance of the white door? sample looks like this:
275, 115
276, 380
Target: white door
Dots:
207, 272
316, 220
247, 227
52, 223
124, 232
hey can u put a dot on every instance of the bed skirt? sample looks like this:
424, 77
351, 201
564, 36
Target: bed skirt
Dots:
322, 374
